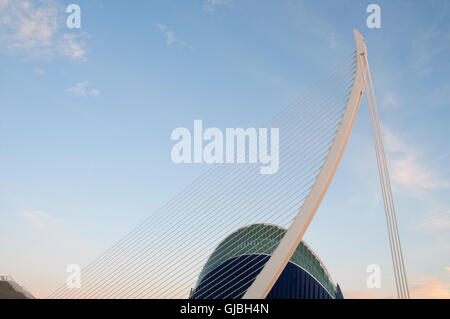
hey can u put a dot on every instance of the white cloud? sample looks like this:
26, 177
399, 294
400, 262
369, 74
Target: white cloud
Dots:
427, 287
333, 41
390, 100
82, 89
407, 171
171, 37
210, 5
37, 218
421, 287
424, 50
35, 30
39, 72
436, 220
72, 46
306, 19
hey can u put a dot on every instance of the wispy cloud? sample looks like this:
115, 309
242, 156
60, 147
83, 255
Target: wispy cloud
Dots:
333, 40
424, 48
83, 89
171, 37
39, 72
307, 19
390, 100
436, 220
426, 287
36, 29
95, 92
37, 218
406, 169
421, 287
73, 46
210, 5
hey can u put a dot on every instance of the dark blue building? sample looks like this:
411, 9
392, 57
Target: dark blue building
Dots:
237, 260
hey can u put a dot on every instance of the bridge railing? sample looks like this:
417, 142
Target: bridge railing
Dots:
6, 278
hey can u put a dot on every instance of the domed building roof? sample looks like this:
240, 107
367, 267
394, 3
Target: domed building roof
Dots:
261, 240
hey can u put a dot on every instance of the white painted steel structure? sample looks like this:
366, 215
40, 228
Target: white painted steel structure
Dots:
163, 256
276, 264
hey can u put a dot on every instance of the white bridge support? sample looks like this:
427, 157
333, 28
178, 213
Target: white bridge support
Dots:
280, 257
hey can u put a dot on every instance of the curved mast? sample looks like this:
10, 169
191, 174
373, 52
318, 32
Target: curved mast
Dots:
276, 264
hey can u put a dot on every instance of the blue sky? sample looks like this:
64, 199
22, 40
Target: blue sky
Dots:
86, 116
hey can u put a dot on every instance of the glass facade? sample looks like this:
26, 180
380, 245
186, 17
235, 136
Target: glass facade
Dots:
238, 259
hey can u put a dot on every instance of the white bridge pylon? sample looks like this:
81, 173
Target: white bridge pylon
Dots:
281, 255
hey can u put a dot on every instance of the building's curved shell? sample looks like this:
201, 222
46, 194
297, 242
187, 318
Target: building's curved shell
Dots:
242, 254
